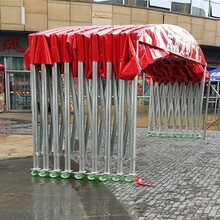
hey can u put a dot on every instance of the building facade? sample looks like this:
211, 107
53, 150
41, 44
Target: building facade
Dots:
18, 18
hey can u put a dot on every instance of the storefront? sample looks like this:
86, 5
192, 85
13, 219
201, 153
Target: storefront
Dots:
17, 79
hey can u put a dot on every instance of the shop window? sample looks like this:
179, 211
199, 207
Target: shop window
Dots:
19, 91
119, 2
15, 63
215, 9
143, 3
17, 85
165, 4
200, 8
181, 6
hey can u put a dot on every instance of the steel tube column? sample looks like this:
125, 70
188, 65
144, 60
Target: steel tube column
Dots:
121, 126
108, 113
36, 142
67, 143
81, 120
94, 118
133, 125
45, 142
55, 118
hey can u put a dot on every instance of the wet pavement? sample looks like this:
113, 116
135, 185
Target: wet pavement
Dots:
23, 197
10, 126
185, 174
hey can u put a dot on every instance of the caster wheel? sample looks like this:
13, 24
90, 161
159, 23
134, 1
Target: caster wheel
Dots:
54, 174
103, 178
91, 177
65, 175
129, 179
34, 173
116, 178
44, 174
78, 176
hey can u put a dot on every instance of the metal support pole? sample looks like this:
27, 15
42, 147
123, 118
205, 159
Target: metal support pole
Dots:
39, 104
67, 117
115, 122
200, 107
133, 121
76, 111
133, 125
151, 105
34, 118
81, 118
102, 112
94, 117
50, 108
108, 119
55, 109
45, 142
128, 117
89, 121
61, 118
206, 110
121, 126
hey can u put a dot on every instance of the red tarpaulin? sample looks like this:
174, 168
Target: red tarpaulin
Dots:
166, 53
2, 67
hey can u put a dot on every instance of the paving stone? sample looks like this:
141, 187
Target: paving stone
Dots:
183, 176
185, 173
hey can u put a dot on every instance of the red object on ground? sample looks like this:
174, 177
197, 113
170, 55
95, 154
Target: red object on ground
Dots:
140, 183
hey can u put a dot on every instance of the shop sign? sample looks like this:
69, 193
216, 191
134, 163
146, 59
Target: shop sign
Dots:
11, 43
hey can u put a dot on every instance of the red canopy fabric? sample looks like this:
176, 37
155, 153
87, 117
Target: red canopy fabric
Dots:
167, 53
2, 67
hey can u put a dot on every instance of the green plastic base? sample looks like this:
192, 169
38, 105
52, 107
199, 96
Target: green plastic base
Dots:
78, 176
43, 174
165, 135
34, 173
54, 175
129, 179
91, 177
103, 178
65, 175
116, 178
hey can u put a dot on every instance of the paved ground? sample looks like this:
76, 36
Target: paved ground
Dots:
15, 135
185, 173
23, 197
186, 176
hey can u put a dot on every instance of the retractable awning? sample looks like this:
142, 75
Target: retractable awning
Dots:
167, 53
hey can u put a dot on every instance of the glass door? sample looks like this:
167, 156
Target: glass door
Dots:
18, 96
